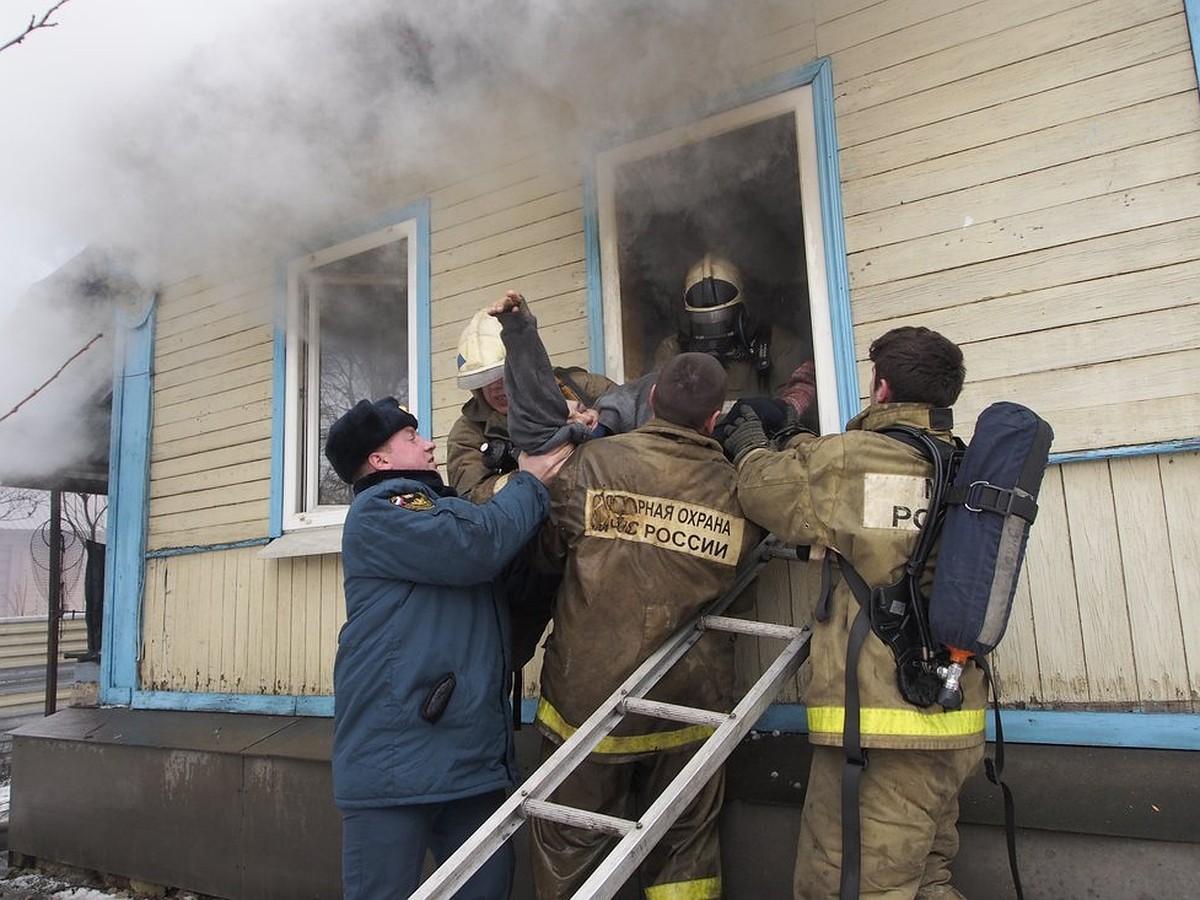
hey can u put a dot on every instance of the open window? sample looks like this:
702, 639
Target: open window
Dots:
743, 187
351, 333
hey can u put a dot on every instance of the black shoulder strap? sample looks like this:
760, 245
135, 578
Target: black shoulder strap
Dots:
994, 767
944, 459
856, 762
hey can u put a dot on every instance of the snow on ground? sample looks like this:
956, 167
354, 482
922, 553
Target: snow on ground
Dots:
37, 887
25, 885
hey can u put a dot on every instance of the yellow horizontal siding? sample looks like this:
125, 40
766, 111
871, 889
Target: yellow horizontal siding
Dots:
1025, 182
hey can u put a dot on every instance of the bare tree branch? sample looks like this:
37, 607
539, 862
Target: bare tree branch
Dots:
83, 513
17, 504
41, 386
34, 24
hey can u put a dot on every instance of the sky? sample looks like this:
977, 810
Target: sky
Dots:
57, 87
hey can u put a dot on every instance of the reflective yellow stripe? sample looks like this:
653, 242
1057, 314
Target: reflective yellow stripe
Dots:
700, 889
831, 719
633, 743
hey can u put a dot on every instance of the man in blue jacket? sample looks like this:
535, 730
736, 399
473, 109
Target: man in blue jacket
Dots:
422, 733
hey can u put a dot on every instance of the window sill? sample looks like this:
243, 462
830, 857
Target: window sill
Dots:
308, 542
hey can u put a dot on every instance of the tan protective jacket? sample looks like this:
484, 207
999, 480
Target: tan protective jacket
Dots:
650, 532
858, 493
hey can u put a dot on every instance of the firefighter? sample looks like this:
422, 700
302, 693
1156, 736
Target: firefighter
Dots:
759, 359
845, 492
480, 458
647, 531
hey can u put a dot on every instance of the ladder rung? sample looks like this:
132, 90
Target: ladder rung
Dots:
673, 711
747, 626
580, 818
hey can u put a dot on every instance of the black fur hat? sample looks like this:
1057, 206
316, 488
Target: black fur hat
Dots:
366, 427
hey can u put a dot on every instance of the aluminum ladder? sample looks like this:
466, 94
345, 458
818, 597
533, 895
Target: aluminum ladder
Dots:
531, 798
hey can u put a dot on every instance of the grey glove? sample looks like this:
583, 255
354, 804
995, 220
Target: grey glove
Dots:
740, 432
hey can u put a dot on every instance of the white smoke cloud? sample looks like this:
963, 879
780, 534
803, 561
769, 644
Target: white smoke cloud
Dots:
285, 117
286, 127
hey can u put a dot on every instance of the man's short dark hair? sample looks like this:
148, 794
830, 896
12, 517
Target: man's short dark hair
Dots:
689, 388
920, 365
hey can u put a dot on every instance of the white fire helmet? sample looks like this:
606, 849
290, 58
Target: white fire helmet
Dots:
712, 297
480, 352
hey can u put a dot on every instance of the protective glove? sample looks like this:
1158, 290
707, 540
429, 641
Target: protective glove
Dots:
740, 432
772, 413
793, 424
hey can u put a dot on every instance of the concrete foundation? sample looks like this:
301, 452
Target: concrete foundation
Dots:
239, 807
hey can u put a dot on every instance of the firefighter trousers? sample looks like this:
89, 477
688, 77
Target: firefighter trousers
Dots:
908, 810
686, 863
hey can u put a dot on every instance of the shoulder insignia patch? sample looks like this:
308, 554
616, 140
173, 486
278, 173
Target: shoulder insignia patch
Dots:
415, 501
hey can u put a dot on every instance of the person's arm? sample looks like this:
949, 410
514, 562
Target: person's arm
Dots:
564, 522
449, 541
627, 406
800, 390
793, 376
537, 410
775, 488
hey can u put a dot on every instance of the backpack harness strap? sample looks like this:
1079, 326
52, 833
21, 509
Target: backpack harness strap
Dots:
994, 767
984, 497
856, 764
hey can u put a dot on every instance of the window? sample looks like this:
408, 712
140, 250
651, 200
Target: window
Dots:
741, 185
352, 333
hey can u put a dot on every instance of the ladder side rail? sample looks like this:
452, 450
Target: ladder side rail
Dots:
509, 817
766, 550
628, 853
541, 783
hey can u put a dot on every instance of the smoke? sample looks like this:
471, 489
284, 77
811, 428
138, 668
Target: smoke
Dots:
285, 127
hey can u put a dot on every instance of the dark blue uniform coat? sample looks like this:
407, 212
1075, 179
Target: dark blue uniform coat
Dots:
420, 605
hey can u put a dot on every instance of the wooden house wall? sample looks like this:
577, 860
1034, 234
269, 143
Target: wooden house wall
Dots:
1026, 182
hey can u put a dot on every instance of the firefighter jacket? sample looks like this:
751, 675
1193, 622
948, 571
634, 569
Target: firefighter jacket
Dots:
648, 531
465, 467
421, 606
860, 494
